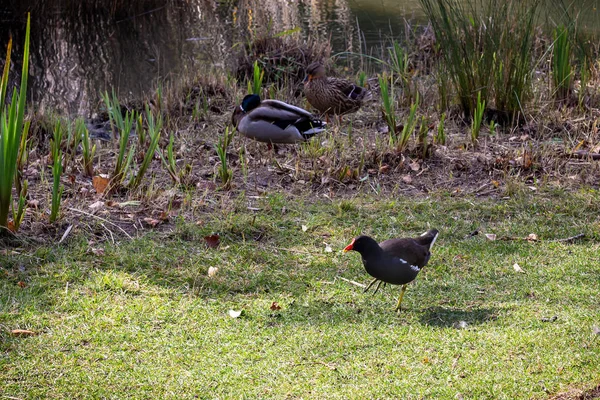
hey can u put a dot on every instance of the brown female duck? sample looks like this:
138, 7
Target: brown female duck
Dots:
333, 96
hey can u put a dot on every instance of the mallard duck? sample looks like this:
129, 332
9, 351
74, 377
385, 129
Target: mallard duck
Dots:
333, 95
273, 121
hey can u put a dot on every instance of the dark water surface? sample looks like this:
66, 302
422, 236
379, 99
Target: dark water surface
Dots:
80, 48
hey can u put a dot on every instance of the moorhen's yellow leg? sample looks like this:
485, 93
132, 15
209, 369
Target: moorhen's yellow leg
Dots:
400, 298
378, 285
371, 284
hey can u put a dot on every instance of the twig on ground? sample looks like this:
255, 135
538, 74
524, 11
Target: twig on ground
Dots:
101, 219
292, 250
530, 239
352, 282
112, 238
64, 236
583, 154
570, 239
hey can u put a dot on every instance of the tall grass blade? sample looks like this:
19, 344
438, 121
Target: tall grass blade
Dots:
89, 151
409, 126
441, 132
389, 104
57, 170
562, 70
11, 129
154, 130
123, 125
477, 118
224, 172
19, 215
4, 81
258, 75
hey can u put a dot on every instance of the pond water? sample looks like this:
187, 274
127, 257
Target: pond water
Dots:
80, 48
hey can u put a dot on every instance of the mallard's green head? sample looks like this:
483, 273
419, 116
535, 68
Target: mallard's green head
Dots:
250, 102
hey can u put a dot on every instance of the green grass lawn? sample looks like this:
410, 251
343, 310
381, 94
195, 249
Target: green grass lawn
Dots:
144, 319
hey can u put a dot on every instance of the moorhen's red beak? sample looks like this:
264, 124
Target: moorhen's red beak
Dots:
349, 247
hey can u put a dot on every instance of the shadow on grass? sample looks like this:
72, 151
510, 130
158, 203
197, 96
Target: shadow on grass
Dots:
447, 317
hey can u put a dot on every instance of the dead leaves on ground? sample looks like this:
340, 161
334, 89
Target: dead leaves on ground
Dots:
238, 313
212, 241
22, 333
532, 237
96, 251
518, 268
152, 222
100, 183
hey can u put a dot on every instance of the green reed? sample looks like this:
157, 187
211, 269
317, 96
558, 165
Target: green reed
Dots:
123, 125
409, 126
89, 150
224, 172
57, 170
154, 124
255, 86
486, 48
477, 118
389, 104
11, 127
440, 137
562, 69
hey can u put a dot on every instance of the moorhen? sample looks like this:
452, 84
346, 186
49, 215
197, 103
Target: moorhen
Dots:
394, 261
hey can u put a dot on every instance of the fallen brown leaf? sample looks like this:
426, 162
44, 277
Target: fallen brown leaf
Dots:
212, 241
275, 306
22, 332
151, 221
212, 271
100, 183
518, 268
527, 159
97, 251
96, 205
